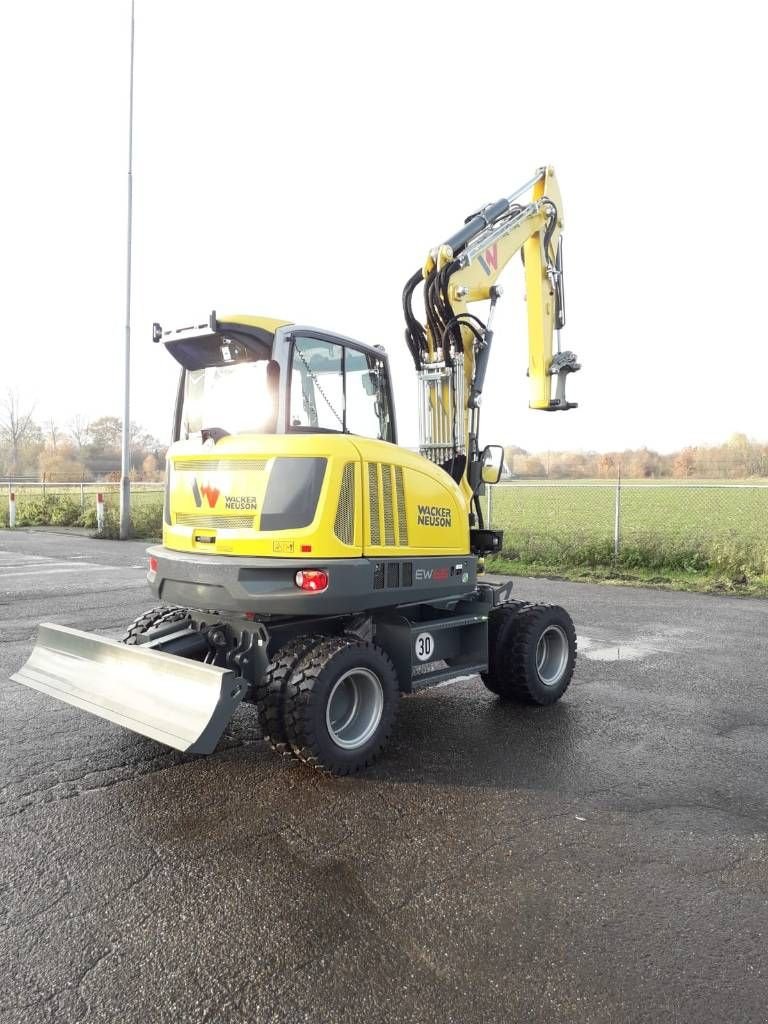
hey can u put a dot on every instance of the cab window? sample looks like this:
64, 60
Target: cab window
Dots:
338, 388
317, 385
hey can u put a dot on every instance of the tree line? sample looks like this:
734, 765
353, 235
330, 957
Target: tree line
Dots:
90, 449
80, 449
738, 458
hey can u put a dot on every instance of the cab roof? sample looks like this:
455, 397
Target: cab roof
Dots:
199, 345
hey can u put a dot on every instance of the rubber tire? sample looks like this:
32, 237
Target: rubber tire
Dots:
269, 693
160, 616
513, 636
306, 697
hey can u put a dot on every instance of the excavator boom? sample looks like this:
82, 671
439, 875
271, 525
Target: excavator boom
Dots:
451, 349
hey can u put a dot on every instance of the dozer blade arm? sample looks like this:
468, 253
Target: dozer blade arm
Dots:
182, 703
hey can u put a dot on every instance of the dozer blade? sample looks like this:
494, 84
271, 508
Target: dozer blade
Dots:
180, 702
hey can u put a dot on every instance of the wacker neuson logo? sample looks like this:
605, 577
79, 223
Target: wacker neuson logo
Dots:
433, 515
211, 494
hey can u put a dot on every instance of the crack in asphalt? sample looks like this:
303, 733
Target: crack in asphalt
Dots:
51, 794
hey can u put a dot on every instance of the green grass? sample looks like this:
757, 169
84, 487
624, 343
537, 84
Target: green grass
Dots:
674, 531
664, 579
61, 506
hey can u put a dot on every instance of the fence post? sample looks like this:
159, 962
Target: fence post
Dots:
99, 512
82, 494
11, 508
617, 518
43, 484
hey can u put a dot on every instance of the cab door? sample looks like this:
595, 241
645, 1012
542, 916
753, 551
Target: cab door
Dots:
333, 384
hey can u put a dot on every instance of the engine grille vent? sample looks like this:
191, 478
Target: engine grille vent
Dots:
402, 519
219, 465
390, 575
389, 512
215, 522
373, 489
387, 480
344, 527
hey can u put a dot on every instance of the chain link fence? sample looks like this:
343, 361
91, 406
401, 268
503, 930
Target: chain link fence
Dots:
700, 526
687, 526
83, 490
73, 503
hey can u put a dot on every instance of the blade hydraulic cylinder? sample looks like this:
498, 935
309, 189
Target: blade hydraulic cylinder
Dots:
182, 703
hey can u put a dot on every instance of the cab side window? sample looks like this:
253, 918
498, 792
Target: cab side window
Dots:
339, 388
368, 412
317, 385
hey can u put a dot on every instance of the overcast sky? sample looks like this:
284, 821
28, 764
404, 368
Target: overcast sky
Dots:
298, 160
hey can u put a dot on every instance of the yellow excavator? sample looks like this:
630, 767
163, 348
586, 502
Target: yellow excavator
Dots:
311, 566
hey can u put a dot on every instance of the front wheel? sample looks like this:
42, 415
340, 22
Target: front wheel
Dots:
341, 702
532, 653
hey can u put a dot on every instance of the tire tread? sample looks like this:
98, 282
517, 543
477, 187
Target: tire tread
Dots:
300, 695
269, 694
157, 616
510, 638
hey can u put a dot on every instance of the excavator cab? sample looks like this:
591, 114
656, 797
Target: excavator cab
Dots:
253, 375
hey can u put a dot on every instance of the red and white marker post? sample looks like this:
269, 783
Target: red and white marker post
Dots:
11, 509
99, 512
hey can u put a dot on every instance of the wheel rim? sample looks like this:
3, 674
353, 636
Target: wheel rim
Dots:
354, 708
552, 652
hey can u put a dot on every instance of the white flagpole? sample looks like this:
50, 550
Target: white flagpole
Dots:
125, 469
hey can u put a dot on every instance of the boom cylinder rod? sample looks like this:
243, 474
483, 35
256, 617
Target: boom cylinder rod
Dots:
528, 185
489, 215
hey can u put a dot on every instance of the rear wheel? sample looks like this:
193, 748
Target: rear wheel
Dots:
531, 653
143, 629
341, 702
270, 691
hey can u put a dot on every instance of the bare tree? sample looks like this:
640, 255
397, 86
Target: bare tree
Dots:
80, 429
53, 433
16, 426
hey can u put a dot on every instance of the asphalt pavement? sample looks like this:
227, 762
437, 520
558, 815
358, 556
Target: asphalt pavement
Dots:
603, 860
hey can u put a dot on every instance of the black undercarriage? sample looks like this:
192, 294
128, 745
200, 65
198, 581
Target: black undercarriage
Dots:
454, 634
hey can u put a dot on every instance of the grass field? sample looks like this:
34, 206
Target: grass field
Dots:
687, 528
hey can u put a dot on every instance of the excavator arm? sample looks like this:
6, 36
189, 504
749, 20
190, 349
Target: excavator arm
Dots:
451, 350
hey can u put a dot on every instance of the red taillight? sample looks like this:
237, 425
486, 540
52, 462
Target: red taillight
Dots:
313, 580
152, 564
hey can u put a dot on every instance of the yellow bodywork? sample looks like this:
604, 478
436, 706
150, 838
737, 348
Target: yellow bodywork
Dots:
397, 503
265, 323
377, 499
474, 282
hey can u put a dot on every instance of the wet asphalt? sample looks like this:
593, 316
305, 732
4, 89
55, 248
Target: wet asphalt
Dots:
602, 860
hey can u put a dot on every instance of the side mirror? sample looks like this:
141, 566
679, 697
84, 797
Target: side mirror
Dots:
492, 461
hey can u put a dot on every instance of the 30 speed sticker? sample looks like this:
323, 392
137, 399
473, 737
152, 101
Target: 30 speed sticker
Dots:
424, 647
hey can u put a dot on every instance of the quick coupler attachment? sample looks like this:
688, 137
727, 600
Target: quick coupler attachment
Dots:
562, 364
183, 703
